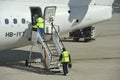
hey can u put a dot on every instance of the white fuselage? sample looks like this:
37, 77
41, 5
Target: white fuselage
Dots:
15, 17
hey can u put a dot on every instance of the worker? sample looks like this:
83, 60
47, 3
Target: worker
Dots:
65, 59
35, 18
40, 25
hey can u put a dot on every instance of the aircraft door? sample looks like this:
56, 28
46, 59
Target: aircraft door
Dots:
35, 12
49, 15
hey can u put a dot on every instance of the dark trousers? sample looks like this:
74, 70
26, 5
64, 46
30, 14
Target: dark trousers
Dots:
65, 68
41, 31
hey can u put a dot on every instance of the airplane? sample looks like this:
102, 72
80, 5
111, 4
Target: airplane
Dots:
16, 18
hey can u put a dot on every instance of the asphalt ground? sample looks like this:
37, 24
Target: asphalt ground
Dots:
95, 60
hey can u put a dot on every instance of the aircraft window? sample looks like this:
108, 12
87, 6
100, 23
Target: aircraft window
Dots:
15, 21
6, 21
23, 20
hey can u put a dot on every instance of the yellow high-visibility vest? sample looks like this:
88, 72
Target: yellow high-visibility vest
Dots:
40, 22
65, 57
40, 25
34, 26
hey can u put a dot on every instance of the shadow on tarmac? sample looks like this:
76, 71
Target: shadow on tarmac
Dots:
13, 58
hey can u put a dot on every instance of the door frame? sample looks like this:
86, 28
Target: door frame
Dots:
46, 11
35, 10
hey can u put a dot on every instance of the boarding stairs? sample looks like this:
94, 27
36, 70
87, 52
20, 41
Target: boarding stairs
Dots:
50, 46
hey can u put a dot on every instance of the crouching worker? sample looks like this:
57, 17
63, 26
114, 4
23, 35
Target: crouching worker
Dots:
65, 59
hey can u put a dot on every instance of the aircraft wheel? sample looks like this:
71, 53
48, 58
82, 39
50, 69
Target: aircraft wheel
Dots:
26, 62
87, 39
75, 39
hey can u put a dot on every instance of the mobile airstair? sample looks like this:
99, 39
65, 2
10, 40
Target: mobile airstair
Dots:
50, 46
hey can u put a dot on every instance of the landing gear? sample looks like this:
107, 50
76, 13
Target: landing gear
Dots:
26, 63
87, 33
87, 40
75, 39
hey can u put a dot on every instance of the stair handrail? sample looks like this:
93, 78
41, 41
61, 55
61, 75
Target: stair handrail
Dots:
57, 35
46, 46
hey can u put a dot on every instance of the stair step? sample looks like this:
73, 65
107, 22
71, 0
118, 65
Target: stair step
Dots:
54, 49
55, 52
51, 47
55, 63
56, 55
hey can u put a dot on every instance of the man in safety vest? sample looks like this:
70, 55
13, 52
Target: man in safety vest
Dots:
65, 59
40, 25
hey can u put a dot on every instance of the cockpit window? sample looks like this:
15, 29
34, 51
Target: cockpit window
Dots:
15, 21
6, 21
23, 21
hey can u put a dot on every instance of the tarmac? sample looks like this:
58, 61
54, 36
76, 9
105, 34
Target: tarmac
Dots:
95, 60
